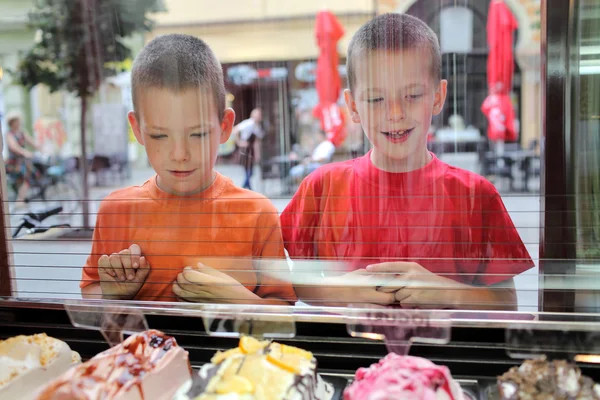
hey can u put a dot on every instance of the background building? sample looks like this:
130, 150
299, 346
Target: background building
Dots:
268, 49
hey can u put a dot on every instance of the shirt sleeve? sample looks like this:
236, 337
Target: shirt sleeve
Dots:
300, 220
505, 253
273, 273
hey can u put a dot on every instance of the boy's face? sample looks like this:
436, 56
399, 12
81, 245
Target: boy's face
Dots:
394, 98
181, 132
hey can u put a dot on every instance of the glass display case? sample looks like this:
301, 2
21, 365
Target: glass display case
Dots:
552, 317
476, 347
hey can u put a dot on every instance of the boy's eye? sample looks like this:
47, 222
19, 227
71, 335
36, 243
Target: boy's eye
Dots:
199, 134
157, 136
375, 100
414, 96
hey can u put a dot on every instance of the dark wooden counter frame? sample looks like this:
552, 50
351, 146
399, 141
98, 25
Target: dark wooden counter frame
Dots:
558, 214
5, 271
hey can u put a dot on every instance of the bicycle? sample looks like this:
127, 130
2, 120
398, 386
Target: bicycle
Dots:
31, 224
55, 185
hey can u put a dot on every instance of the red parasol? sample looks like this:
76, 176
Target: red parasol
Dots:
329, 31
497, 106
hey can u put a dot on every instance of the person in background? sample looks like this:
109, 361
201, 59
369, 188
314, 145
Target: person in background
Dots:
20, 158
249, 134
322, 154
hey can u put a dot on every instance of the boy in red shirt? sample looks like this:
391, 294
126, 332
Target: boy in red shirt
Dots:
188, 233
412, 229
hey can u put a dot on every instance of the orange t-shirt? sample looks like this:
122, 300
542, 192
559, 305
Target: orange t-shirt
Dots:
224, 227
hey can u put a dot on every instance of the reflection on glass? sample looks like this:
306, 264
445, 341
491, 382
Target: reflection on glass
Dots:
586, 123
587, 117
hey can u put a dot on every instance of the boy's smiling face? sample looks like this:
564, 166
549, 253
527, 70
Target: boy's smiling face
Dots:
181, 132
394, 98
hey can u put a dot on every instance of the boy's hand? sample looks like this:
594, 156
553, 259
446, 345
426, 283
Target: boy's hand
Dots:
205, 284
416, 287
360, 287
123, 274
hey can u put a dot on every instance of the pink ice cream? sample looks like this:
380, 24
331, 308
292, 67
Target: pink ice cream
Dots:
403, 377
148, 366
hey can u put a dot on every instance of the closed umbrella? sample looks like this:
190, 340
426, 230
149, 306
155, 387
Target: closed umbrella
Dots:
329, 31
497, 106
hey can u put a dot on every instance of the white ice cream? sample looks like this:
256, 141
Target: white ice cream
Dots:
28, 362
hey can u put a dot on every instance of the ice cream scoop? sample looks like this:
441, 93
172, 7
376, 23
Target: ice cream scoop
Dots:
260, 370
403, 377
146, 366
542, 379
28, 362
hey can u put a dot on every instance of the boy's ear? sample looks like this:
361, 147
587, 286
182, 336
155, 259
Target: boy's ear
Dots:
135, 126
440, 97
351, 104
227, 125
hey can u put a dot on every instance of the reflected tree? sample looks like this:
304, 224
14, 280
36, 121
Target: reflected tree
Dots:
76, 43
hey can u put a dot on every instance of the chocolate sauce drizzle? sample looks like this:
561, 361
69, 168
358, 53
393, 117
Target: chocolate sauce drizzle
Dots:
135, 361
200, 383
547, 378
307, 385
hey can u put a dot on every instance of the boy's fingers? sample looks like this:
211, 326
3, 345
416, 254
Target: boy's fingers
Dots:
125, 257
390, 289
215, 279
190, 296
195, 277
115, 263
182, 293
126, 263
135, 250
385, 280
384, 299
402, 295
396, 267
184, 283
393, 283
177, 291
189, 286
142, 272
103, 261
136, 253
207, 270
104, 266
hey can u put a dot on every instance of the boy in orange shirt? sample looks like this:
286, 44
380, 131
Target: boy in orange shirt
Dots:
147, 236
410, 229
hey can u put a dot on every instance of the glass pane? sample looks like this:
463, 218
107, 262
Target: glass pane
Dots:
586, 114
285, 67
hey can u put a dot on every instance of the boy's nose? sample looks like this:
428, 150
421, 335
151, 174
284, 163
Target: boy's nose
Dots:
180, 152
395, 110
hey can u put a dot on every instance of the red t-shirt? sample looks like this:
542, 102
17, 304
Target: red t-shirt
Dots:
450, 221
